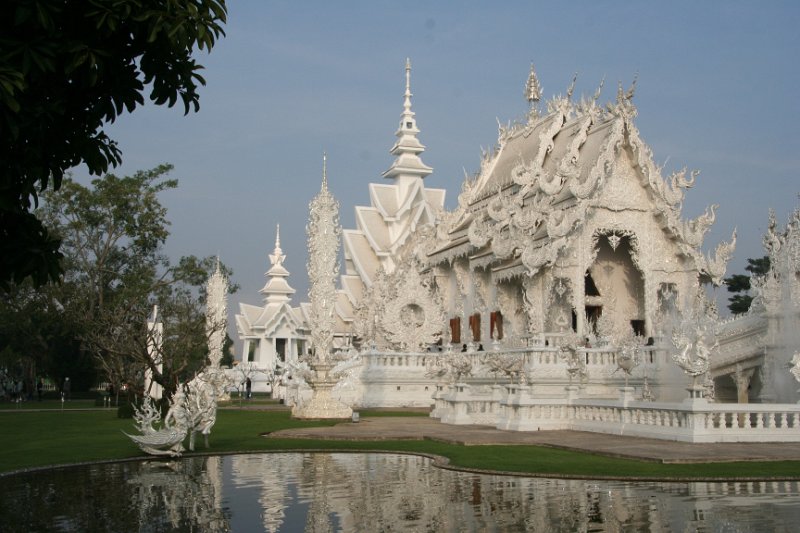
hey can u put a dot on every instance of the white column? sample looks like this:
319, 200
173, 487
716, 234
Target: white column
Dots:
742, 379
245, 350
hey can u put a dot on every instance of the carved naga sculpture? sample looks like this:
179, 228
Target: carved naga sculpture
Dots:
167, 440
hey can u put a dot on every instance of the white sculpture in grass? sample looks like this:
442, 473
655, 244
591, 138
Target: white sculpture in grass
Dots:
193, 407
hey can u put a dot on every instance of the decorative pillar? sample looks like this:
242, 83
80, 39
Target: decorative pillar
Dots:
742, 379
216, 314
323, 268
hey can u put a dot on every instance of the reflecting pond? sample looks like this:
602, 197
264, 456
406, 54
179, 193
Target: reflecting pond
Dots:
372, 492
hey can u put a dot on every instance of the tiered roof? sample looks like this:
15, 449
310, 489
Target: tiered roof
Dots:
533, 193
397, 209
255, 320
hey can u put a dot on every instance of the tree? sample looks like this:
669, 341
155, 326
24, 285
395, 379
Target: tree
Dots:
66, 70
38, 340
112, 233
739, 284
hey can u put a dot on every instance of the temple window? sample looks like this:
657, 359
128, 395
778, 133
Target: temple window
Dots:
251, 352
496, 325
475, 326
455, 330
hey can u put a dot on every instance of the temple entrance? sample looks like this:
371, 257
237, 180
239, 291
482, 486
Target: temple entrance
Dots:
614, 289
280, 349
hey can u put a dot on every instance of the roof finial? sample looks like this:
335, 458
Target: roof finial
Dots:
626, 96
571, 88
324, 171
407, 101
278, 238
599, 89
533, 90
632, 89
407, 147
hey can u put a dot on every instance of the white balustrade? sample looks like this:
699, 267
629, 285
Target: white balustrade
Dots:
696, 421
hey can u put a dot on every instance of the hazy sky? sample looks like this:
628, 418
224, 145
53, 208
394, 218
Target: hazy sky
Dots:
717, 91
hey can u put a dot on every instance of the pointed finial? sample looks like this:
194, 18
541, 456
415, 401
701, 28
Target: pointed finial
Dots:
324, 171
278, 237
629, 94
408, 95
623, 95
599, 89
533, 90
216, 269
571, 88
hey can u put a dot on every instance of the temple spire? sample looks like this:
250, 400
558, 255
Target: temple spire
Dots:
277, 288
277, 257
407, 148
408, 95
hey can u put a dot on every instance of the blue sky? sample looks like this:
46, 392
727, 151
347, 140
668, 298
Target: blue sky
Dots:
717, 92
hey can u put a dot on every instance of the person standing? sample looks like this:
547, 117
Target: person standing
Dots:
248, 385
65, 389
39, 387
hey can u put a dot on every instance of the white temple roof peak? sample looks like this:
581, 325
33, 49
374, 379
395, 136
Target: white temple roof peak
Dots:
407, 147
533, 89
277, 288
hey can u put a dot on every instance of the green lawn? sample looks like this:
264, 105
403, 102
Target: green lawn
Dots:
32, 439
50, 403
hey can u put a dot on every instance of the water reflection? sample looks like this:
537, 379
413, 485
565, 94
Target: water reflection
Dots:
372, 492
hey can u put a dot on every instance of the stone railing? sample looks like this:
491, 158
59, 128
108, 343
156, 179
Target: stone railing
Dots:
539, 361
397, 359
514, 408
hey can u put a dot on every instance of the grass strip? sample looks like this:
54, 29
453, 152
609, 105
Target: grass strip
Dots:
44, 438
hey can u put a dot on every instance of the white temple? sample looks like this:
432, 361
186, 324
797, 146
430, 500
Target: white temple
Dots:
275, 333
565, 291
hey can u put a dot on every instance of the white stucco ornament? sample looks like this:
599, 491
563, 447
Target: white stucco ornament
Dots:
629, 355
795, 366
323, 268
167, 439
216, 314
694, 354
569, 352
412, 319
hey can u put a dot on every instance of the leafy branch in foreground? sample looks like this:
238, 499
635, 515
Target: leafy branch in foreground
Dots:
67, 69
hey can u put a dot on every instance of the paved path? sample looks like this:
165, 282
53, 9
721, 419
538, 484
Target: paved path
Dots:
419, 428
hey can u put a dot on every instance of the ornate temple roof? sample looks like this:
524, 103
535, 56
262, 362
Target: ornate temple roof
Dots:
263, 320
536, 188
